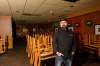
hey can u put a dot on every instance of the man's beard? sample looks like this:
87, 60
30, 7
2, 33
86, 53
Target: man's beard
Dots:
63, 28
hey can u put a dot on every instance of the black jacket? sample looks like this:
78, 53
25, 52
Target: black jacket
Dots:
64, 42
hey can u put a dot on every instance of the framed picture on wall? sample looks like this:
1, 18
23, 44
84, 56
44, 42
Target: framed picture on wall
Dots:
71, 28
89, 23
77, 24
97, 29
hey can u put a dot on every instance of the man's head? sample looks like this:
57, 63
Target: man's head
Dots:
63, 24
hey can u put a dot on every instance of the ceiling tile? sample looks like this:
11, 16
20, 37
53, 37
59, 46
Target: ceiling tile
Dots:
4, 8
52, 2
17, 5
33, 5
48, 9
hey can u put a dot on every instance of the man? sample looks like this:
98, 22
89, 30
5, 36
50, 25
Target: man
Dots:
64, 45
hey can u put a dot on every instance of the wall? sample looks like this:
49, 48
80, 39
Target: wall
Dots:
6, 28
94, 16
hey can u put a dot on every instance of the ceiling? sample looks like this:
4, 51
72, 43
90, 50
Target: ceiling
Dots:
46, 10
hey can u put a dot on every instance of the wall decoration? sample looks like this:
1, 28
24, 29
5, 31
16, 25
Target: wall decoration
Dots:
77, 25
89, 23
55, 24
97, 29
34, 29
71, 28
56, 29
69, 25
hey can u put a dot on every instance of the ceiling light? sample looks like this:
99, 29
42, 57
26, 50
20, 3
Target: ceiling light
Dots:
71, 0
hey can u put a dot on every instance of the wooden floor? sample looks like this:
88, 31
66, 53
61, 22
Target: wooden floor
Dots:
14, 58
18, 57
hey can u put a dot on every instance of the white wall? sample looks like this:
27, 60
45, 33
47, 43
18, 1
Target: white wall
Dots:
6, 27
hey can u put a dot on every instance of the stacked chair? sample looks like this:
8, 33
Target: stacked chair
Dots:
1, 45
39, 47
4, 44
91, 42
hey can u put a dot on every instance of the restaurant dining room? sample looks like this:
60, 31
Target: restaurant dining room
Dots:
28, 27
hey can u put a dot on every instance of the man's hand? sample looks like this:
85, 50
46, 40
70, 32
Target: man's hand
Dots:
59, 54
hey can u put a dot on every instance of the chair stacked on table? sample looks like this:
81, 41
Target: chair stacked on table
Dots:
91, 42
38, 45
4, 43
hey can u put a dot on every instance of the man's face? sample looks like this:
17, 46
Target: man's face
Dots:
63, 24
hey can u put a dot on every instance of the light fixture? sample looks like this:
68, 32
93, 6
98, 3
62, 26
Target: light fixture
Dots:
71, 0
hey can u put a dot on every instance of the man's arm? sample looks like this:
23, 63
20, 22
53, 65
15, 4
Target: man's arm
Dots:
74, 45
55, 47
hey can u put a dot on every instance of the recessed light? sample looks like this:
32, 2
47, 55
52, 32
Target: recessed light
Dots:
71, 0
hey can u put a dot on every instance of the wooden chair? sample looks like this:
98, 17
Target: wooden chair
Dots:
36, 51
2, 50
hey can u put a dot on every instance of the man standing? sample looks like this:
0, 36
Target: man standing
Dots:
64, 45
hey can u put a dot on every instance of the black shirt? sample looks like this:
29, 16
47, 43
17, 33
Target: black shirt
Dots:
64, 42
